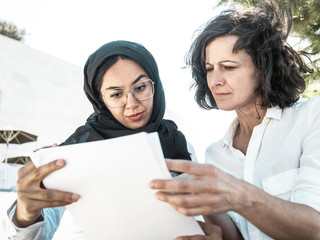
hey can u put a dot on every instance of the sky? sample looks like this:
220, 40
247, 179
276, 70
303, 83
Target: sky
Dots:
71, 30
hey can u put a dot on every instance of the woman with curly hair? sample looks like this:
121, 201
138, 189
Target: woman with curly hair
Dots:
265, 171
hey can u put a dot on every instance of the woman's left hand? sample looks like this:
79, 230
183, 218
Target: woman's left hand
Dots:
212, 191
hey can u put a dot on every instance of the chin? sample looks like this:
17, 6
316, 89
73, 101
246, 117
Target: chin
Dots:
135, 126
225, 108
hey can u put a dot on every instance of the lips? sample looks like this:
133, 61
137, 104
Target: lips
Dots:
221, 94
136, 116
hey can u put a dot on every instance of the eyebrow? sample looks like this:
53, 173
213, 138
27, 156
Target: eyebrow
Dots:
224, 61
135, 81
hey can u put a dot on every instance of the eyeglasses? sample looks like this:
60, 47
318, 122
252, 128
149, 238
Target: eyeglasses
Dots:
117, 97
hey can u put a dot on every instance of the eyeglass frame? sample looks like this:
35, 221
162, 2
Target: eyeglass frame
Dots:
131, 90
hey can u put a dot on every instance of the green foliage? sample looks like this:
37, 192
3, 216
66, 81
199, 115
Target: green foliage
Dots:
306, 26
313, 89
237, 3
11, 30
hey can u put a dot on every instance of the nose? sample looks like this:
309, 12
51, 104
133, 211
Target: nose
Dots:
215, 78
131, 100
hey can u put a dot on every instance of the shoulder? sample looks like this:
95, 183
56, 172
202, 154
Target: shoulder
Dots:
303, 117
227, 139
192, 152
214, 146
309, 109
311, 103
84, 133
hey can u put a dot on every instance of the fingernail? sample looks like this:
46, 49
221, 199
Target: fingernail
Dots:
75, 197
157, 195
60, 163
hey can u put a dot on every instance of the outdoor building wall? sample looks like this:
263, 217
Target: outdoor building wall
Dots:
42, 95
39, 94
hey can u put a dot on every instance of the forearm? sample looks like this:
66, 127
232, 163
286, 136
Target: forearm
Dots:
229, 229
44, 229
278, 218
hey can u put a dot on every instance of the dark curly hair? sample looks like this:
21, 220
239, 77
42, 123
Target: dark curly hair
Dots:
262, 33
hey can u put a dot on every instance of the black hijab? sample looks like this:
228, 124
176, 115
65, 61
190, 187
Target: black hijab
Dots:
102, 125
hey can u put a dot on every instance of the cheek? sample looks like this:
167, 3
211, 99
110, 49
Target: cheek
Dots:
255, 83
209, 85
150, 106
116, 112
247, 89
208, 80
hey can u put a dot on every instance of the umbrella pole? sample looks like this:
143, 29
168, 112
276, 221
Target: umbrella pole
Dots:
4, 180
6, 156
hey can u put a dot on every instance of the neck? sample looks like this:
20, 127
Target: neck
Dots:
249, 118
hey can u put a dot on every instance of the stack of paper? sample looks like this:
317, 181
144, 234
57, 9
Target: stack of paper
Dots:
112, 177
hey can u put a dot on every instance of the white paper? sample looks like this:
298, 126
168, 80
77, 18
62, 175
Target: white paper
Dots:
112, 177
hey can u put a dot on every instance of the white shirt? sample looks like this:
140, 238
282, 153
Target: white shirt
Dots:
283, 158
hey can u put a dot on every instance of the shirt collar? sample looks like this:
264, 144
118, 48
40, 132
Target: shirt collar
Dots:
228, 137
272, 113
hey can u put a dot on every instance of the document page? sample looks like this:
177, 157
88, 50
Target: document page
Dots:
112, 178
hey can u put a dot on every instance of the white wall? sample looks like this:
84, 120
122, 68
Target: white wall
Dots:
39, 94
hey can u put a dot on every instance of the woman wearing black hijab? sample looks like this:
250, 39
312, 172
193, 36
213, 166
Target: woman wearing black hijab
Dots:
103, 125
120, 109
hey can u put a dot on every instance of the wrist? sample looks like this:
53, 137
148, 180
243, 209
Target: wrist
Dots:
253, 199
245, 197
23, 223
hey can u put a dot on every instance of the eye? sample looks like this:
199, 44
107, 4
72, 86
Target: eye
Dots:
210, 69
140, 87
116, 94
229, 68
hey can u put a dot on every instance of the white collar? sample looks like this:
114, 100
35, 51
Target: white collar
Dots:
272, 113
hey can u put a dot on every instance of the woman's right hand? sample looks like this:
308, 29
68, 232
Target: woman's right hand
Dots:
32, 197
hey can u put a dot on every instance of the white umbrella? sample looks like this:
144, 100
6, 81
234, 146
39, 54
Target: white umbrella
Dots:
13, 135
22, 159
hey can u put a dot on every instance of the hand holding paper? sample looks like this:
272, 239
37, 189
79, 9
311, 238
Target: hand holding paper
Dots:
115, 199
33, 198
